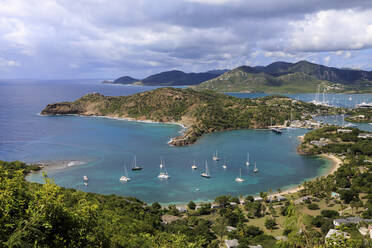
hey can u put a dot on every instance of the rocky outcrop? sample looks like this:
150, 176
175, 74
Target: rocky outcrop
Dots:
63, 108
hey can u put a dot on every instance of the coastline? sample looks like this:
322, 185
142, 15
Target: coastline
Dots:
336, 163
121, 119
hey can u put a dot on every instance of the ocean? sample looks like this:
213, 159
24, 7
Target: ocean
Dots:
101, 147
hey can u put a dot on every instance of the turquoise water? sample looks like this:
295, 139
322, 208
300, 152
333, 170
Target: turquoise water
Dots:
107, 144
104, 145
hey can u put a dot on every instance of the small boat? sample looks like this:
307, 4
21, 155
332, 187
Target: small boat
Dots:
163, 173
224, 166
350, 125
85, 178
135, 166
125, 178
215, 156
276, 130
350, 98
239, 179
247, 162
194, 166
85, 183
364, 105
255, 170
206, 173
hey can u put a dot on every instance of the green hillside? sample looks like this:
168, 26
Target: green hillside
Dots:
201, 111
282, 77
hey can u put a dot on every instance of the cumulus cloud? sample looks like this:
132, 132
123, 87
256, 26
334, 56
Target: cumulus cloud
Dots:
55, 38
331, 30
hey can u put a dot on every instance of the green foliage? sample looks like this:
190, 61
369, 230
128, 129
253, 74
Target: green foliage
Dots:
313, 206
34, 215
191, 205
270, 223
329, 213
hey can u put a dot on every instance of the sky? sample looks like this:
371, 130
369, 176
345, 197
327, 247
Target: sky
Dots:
70, 39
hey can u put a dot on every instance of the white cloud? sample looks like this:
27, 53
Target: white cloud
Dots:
331, 30
9, 63
347, 55
255, 54
279, 54
212, 1
327, 59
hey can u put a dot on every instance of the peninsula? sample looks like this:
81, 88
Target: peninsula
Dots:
200, 112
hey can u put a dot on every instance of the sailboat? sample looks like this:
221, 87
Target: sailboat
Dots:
239, 179
247, 162
163, 173
215, 156
194, 166
85, 179
125, 178
135, 166
206, 173
255, 170
224, 166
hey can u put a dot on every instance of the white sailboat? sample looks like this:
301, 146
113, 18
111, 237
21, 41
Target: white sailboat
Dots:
224, 166
194, 166
247, 162
125, 178
85, 179
239, 179
255, 170
215, 156
163, 173
135, 166
206, 173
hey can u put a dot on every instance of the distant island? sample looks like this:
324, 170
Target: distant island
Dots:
170, 78
200, 111
278, 77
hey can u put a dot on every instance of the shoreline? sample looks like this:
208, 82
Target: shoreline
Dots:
336, 164
121, 119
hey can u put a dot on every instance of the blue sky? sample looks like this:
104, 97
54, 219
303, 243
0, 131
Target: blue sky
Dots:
60, 39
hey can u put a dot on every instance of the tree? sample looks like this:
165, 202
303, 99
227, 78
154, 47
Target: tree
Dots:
156, 206
270, 223
329, 213
222, 200
191, 205
348, 195
219, 227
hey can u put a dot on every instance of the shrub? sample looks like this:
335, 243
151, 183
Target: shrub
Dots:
329, 213
313, 206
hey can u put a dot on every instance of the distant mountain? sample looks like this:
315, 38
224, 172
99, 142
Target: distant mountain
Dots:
286, 77
219, 72
178, 78
125, 80
171, 78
